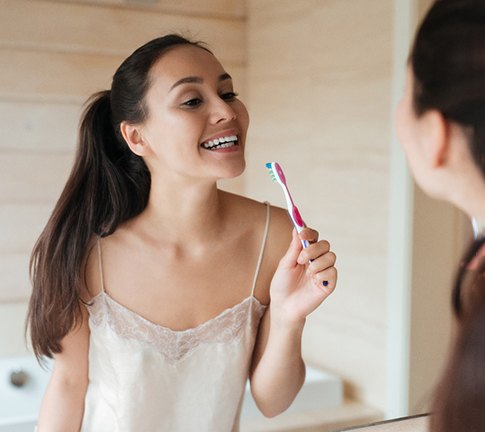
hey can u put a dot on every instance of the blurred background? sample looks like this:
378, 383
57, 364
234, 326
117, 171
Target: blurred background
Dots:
321, 79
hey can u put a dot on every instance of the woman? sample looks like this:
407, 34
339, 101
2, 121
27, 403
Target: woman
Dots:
151, 285
441, 125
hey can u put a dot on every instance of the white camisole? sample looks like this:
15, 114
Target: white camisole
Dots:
144, 377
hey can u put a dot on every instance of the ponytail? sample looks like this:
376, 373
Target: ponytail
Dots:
459, 399
468, 284
108, 184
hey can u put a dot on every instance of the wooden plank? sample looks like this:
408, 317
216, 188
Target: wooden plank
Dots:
74, 27
33, 178
63, 77
59, 76
38, 126
216, 8
21, 225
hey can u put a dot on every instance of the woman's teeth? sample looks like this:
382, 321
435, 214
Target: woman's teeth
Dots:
222, 142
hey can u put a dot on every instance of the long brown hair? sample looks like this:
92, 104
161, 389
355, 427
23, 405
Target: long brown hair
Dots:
448, 63
108, 185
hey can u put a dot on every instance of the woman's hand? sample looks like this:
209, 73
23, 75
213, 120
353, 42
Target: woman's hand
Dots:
297, 289
303, 279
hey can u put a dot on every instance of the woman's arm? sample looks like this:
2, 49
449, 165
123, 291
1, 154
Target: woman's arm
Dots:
63, 403
278, 368
278, 371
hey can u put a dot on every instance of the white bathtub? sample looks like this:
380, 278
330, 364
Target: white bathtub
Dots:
321, 390
19, 406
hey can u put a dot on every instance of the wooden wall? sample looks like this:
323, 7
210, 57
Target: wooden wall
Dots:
320, 100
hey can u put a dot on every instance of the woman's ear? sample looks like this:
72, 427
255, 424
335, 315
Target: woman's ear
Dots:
134, 138
436, 138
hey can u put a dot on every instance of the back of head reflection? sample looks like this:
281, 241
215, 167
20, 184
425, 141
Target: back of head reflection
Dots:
441, 126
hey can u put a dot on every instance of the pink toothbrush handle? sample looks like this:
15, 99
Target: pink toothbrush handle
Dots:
297, 218
299, 224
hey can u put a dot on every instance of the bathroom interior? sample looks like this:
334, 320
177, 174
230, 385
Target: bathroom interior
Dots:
321, 79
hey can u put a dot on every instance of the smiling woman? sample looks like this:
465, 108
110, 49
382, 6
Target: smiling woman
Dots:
157, 293
180, 111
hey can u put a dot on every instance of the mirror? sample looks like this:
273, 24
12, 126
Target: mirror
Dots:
318, 80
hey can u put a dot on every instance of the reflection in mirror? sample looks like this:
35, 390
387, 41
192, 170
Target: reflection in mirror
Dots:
319, 103
127, 294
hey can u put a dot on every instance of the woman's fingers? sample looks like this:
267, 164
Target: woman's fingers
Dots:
309, 234
326, 280
322, 262
313, 251
320, 259
291, 255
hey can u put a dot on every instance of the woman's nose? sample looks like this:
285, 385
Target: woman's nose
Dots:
222, 112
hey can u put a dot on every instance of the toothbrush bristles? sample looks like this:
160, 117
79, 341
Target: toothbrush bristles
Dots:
269, 166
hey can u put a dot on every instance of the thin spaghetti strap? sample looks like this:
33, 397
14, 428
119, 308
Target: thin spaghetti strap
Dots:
263, 244
100, 264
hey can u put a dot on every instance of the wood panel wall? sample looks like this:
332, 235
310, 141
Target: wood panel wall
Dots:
320, 97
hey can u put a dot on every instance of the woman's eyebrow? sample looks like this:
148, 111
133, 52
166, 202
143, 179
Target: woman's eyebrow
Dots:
198, 80
225, 76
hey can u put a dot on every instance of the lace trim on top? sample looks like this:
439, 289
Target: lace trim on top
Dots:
174, 345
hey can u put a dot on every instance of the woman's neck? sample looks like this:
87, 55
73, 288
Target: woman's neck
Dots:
460, 180
190, 211
469, 196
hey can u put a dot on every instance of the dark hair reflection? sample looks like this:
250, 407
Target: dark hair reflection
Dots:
448, 64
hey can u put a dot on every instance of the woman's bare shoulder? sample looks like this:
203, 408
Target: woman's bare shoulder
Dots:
100, 250
92, 275
279, 215
280, 231
251, 213
233, 200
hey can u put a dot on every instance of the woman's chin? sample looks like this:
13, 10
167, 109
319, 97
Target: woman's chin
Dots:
233, 171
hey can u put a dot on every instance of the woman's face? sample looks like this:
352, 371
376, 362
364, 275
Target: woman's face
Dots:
195, 127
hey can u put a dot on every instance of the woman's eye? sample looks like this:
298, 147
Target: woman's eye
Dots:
192, 102
229, 96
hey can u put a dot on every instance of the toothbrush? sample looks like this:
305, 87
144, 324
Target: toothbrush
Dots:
278, 176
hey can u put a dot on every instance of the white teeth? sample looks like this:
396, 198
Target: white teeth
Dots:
222, 142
